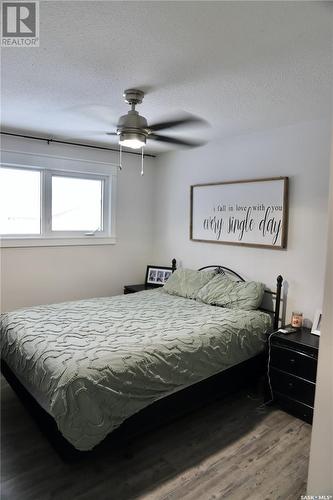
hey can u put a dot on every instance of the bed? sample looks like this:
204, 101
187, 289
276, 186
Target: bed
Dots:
93, 367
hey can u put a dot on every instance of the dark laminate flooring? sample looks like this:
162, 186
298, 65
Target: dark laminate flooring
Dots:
230, 449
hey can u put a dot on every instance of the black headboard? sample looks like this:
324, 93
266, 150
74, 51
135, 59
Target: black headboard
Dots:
274, 295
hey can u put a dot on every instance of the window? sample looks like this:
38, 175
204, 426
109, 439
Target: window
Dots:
77, 204
19, 201
45, 206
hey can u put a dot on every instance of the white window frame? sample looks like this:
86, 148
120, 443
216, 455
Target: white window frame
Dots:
49, 166
47, 205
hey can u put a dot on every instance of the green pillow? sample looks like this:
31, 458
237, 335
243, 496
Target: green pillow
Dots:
187, 282
222, 291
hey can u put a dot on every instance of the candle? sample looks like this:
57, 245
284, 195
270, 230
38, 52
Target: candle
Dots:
296, 319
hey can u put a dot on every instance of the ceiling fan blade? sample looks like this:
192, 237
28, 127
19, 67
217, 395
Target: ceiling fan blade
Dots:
93, 132
174, 140
104, 115
185, 120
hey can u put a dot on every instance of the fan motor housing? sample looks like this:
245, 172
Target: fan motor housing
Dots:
132, 122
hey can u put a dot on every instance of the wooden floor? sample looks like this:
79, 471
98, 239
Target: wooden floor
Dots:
232, 449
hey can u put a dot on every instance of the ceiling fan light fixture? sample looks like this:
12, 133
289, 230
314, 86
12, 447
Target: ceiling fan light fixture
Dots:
132, 140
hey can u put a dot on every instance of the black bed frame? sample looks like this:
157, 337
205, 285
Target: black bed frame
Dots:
164, 410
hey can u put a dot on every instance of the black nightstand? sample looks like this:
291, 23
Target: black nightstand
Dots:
136, 288
293, 369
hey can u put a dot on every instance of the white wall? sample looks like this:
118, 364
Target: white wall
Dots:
320, 481
299, 151
32, 276
42, 275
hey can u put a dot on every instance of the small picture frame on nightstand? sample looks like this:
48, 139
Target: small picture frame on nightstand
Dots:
157, 275
315, 330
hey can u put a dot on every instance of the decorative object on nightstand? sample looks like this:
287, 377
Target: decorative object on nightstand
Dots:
315, 330
292, 371
155, 276
296, 319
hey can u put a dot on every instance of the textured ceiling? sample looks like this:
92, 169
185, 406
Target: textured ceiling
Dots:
242, 66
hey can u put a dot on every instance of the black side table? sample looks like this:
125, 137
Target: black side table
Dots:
293, 370
136, 288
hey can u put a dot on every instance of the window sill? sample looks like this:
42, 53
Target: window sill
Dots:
56, 242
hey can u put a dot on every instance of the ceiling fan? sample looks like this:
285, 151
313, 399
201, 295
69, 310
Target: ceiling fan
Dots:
133, 129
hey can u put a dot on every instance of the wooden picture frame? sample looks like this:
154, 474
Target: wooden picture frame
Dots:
157, 275
251, 212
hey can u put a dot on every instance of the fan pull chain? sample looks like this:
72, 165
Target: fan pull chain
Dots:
120, 157
142, 157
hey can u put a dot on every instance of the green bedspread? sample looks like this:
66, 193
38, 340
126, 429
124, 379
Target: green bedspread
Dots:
93, 363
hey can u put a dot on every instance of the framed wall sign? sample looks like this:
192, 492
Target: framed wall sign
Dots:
250, 212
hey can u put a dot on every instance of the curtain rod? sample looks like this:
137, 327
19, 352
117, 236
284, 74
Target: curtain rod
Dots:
73, 143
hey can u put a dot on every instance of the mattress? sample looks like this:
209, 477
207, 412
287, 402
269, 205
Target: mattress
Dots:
93, 363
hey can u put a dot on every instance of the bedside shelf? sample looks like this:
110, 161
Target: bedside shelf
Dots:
293, 370
136, 288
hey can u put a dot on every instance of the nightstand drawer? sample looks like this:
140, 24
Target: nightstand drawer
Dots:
294, 362
293, 387
296, 408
